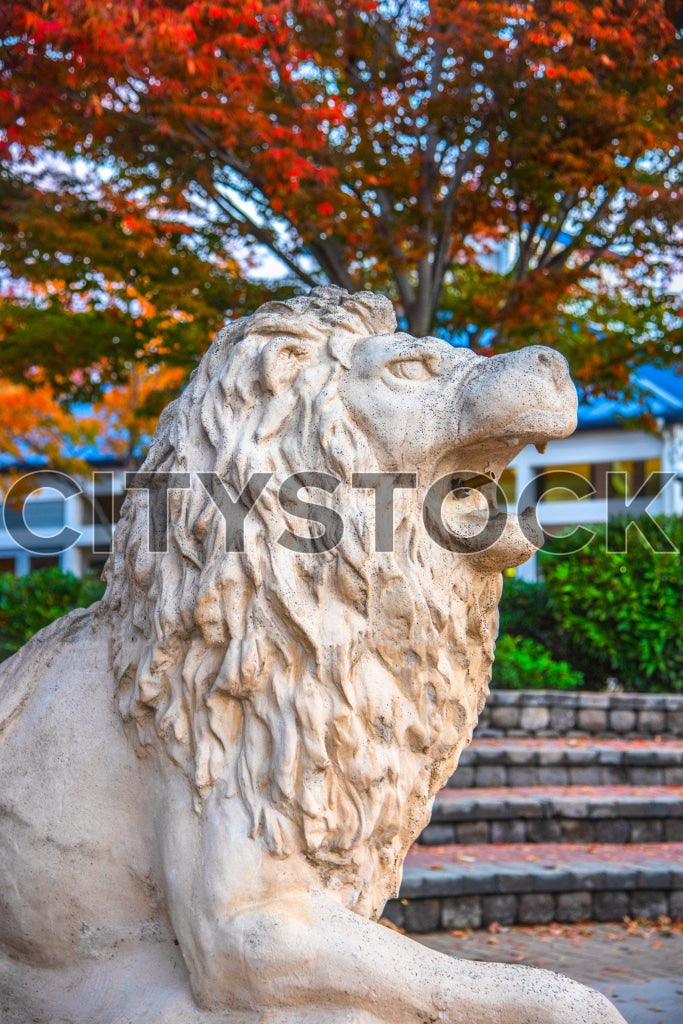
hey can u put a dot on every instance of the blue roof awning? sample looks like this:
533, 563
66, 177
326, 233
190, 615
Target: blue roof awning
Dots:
658, 392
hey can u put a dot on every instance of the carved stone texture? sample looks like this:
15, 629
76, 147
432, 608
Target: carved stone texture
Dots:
209, 782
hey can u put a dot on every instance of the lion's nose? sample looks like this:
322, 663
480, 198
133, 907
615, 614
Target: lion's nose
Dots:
547, 361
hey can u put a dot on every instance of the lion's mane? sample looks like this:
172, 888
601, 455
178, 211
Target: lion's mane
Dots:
331, 693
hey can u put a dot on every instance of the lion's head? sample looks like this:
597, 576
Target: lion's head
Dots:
331, 693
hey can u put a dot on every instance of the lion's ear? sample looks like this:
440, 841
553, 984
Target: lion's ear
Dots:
281, 360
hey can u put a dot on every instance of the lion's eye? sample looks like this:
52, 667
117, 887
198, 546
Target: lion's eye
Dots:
409, 369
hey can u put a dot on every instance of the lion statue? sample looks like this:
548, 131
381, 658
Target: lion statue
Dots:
209, 781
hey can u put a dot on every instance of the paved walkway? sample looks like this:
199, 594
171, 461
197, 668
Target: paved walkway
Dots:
639, 967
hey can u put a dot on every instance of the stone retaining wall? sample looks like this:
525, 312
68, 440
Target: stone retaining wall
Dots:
479, 910
586, 764
556, 713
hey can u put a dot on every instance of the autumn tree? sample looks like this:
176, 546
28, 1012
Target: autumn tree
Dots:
105, 309
508, 171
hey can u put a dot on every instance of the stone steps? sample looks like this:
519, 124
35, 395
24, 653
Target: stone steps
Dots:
449, 887
577, 761
563, 814
559, 713
566, 807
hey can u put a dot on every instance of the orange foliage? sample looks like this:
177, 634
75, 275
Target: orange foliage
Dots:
373, 144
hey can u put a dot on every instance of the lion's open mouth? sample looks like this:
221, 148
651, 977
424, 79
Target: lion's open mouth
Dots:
475, 512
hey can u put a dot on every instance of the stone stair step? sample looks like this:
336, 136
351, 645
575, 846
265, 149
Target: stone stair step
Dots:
519, 713
575, 761
542, 814
449, 887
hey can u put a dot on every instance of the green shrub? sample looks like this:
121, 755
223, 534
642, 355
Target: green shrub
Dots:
620, 613
27, 603
525, 610
523, 664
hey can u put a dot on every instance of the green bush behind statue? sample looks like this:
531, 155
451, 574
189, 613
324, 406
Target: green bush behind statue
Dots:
609, 614
27, 603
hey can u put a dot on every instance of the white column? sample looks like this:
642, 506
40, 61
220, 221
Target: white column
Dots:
71, 560
524, 474
672, 462
22, 562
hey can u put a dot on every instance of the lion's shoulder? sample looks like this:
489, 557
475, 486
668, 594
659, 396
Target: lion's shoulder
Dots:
22, 672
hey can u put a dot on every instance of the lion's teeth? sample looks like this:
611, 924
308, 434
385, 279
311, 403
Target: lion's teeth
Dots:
540, 448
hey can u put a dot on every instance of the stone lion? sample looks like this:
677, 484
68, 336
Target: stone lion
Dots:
209, 781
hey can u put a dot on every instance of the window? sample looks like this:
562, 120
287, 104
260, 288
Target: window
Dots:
44, 562
508, 485
627, 478
583, 480
563, 483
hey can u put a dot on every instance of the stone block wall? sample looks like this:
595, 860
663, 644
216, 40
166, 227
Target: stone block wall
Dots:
556, 713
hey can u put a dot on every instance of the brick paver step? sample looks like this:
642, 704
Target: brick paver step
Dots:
574, 761
522, 883
541, 814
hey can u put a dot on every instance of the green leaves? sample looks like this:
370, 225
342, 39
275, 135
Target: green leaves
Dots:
620, 612
523, 664
401, 148
28, 603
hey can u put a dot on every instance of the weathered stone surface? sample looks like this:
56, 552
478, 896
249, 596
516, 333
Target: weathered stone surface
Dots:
622, 721
577, 830
653, 876
522, 775
649, 904
647, 776
422, 915
536, 908
551, 756
610, 906
472, 832
650, 721
612, 831
621, 712
562, 719
673, 830
583, 776
676, 904
573, 906
595, 700
675, 722
648, 830
394, 911
544, 831
491, 775
592, 719
534, 719
463, 778
614, 775
461, 912
508, 832
553, 775
438, 834
505, 718
521, 756
502, 909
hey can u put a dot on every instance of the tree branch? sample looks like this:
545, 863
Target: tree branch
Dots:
260, 234
560, 259
443, 248
566, 206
